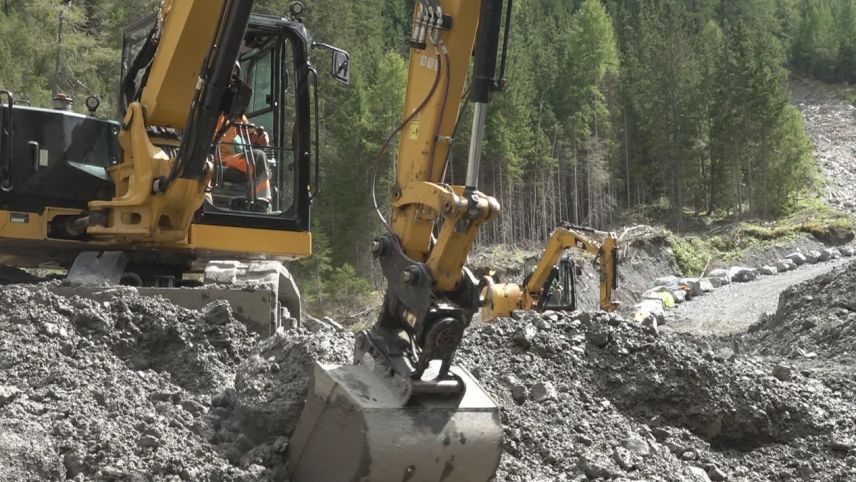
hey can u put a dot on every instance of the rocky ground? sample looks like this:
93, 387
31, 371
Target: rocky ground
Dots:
590, 396
734, 308
831, 124
123, 387
816, 318
128, 388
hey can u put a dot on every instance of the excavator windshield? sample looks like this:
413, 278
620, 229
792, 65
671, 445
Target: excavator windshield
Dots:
261, 162
257, 163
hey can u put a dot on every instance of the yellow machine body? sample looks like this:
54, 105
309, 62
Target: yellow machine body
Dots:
501, 299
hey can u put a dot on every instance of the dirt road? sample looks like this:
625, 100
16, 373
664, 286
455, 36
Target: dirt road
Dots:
732, 309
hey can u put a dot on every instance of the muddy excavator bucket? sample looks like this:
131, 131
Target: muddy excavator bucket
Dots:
355, 427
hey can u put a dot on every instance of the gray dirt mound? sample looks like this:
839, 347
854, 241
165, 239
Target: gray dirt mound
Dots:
252, 422
594, 396
814, 318
125, 387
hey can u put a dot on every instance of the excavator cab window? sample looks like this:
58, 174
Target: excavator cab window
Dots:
268, 184
257, 158
560, 290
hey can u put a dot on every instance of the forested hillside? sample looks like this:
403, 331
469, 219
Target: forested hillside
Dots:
610, 104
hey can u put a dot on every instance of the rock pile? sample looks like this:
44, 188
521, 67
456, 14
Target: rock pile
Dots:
815, 318
591, 396
130, 388
125, 387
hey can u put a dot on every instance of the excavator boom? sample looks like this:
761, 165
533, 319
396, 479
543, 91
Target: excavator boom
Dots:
404, 411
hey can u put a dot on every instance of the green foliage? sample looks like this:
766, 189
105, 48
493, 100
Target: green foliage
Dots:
692, 255
337, 291
808, 216
90, 52
824, 40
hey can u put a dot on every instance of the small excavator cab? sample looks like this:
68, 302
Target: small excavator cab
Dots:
560, 291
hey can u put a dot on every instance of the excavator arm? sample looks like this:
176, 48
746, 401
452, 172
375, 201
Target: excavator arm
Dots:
501, 299
431, 296
390, 413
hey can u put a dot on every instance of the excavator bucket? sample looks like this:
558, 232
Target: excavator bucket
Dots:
354, 427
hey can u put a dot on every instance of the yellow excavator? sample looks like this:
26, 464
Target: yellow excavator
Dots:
551, 285
146, 201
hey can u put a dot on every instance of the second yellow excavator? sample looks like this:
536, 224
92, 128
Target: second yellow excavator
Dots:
552, 284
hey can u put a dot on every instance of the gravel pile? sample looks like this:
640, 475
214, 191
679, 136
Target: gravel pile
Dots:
816, 318
128, 388
592, 396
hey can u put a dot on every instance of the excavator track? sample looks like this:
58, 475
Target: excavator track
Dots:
262, 294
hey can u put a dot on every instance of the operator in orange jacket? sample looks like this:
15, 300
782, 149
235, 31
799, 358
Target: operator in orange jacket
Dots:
243, 159
234, 153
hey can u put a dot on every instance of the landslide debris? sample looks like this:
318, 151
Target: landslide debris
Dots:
831, 123
123, 387
816, 318
591, 395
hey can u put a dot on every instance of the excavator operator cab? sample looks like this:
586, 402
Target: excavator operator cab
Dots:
263, 165
560, 291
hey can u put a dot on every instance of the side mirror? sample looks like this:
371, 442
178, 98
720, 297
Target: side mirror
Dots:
342, 66
341, 69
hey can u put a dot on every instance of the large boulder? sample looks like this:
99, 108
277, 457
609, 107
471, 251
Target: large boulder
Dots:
742, 274
812, 257
649, 307
847, 251
785, 265
693, 286
706, 285
769, 270
831, 253
719, 277
662, 294
798, 259
718, 282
